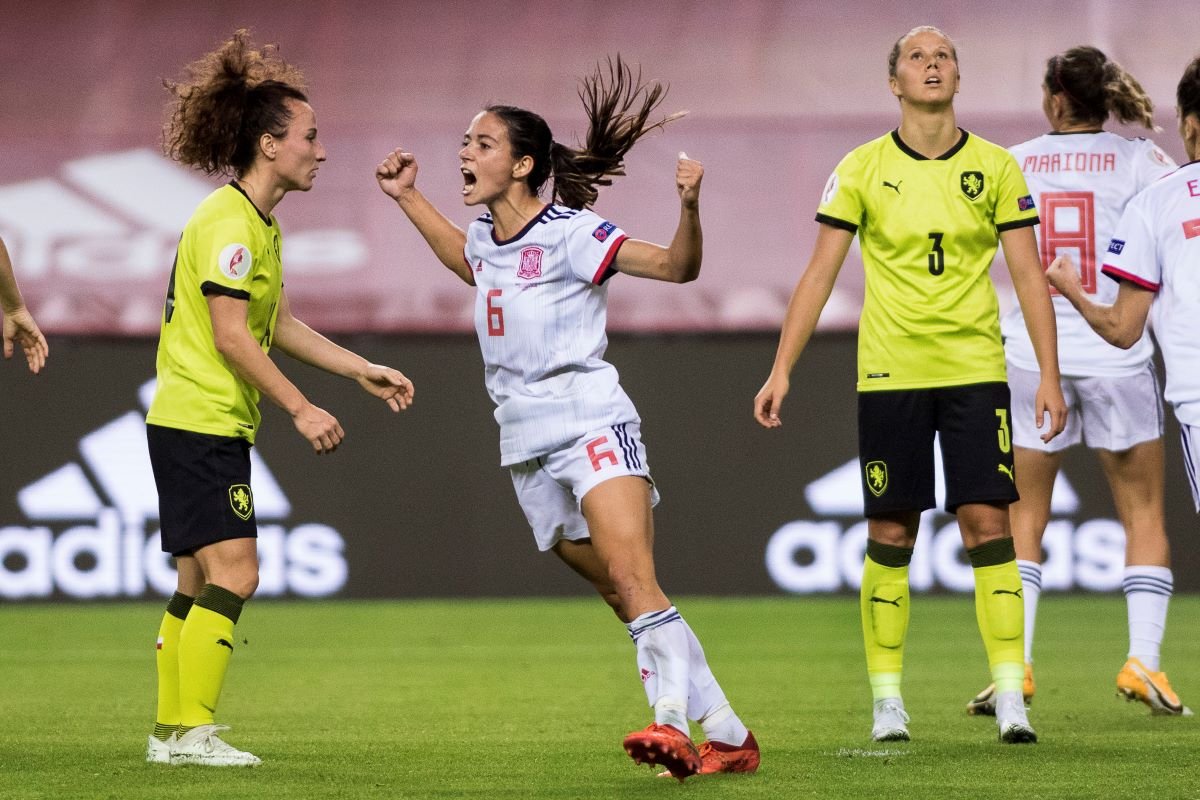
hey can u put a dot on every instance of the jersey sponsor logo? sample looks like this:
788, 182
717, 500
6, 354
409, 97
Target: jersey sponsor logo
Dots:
893, 186
241, 500
603, 230
235, 261
822, 549
1025, 203
1116, 246
1160, 158
971, 183
531, 263
830, 190
91, 527
877, 477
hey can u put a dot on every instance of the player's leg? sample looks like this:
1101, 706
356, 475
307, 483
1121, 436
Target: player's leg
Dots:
167, 718
729, 746
618, 515
208, 511
1035, 472
976, 438
895, 432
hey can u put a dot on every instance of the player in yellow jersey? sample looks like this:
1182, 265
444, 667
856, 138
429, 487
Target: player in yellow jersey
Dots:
19, 327
240, 112
930, 203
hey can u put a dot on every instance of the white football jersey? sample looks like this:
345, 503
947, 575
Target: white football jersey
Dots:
1156, 245
540, 314
1080, 183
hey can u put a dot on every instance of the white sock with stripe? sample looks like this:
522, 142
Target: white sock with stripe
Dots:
1147, 594
661, 639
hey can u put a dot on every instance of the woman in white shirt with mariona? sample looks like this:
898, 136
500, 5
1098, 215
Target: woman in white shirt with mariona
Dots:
1154, 256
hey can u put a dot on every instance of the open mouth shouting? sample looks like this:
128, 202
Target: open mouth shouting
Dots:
468, 181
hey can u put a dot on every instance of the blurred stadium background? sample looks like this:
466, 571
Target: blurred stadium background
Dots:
416, 506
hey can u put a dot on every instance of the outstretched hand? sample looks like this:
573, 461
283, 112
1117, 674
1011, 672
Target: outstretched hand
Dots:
388, 385
20, 327
397, 173
688, 174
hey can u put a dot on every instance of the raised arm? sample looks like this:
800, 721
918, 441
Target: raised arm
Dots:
19, 325
397, 176
1123, 323
1025, 267
680, 262
804, 309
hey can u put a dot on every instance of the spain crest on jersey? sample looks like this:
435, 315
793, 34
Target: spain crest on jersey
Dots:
971, 183
531, 263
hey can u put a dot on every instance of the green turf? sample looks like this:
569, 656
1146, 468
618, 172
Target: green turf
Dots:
529, 699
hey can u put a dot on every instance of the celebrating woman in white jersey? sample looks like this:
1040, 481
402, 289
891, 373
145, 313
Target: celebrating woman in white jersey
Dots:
1081, 178
1154, 256
568, 432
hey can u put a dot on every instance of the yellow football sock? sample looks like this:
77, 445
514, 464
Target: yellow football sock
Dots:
884, 605
1000, 611
205, 645
167, 659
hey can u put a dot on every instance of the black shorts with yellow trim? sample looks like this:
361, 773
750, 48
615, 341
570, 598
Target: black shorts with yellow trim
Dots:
203, 488
895, 444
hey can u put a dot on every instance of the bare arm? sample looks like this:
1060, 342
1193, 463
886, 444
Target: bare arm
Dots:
304, 344
397, 176
1025, 267
19, 325
804, 309
244, 356
1123, 323
680, 262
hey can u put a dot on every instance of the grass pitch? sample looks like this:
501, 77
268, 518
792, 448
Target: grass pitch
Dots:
529, 699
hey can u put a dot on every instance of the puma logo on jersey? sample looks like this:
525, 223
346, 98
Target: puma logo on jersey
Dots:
895, 185
1007, 470
895, 602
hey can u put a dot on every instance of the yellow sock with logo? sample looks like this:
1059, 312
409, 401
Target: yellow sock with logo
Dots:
1000, 611
205, 645
166, 656
884, 605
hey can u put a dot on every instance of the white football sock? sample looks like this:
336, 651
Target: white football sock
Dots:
1031, 589
662, 656
707, 703
1147, 595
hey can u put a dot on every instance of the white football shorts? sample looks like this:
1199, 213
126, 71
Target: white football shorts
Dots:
1110, 413
551, 487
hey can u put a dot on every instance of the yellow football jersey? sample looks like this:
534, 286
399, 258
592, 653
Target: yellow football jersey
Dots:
929, 229
227, 247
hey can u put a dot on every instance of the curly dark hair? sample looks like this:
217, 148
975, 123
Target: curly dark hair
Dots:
226, 101
618, 104
1096, 86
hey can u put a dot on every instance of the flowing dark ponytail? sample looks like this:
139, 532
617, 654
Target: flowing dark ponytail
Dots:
618, 106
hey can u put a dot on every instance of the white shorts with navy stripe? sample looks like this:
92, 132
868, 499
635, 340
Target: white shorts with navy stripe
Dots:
1190, 435
550, 488
1106, 413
